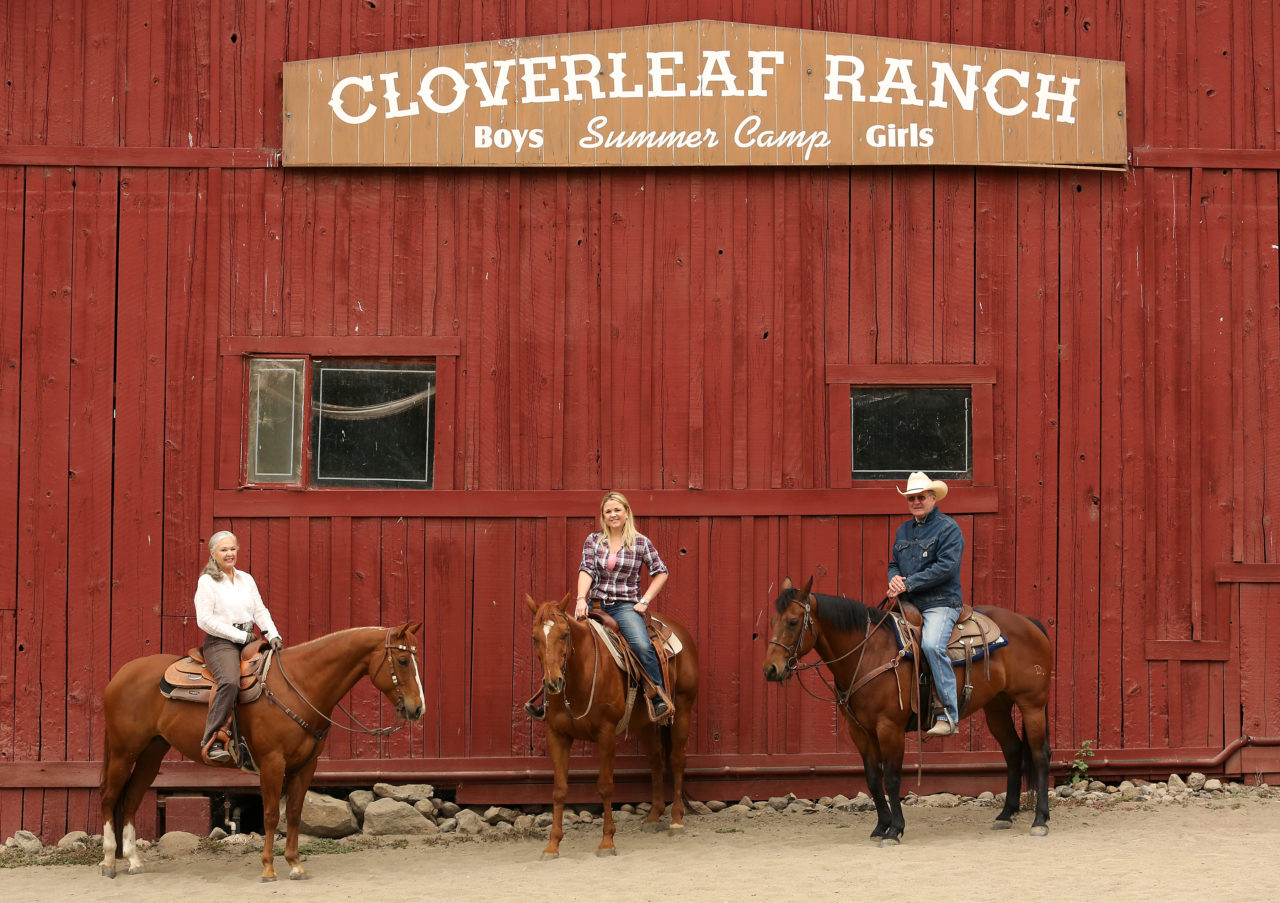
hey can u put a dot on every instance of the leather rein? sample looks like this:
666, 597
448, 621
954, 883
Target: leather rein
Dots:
318, 735
839, 697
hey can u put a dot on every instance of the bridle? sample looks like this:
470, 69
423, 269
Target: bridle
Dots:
401, 721
564, 667
793, 664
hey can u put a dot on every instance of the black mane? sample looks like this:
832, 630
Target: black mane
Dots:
836, 612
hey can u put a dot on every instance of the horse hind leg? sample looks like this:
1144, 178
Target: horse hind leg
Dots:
115, 774
651, 742
144, 771
1000, 723
677, 738
1035, 746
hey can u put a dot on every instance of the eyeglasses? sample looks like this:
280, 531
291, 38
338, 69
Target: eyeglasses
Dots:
918, 497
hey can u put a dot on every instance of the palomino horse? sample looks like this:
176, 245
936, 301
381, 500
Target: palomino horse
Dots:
586, 697
285, 728
859, 647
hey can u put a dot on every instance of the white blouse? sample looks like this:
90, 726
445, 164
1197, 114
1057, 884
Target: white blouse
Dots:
222, 604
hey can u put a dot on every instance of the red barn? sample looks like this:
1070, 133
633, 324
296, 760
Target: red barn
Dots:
180, 315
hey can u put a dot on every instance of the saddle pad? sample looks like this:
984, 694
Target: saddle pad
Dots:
611, 640
978, 635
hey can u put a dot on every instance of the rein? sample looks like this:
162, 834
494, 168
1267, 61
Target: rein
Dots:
319, 735
839, 697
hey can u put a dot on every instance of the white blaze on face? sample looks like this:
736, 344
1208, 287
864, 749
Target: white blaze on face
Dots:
413, 657
546, 628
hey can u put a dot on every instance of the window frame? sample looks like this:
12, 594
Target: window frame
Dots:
978, 378
235, 355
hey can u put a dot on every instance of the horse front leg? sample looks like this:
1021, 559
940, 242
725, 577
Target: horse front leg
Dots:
558, 748
295, 795
607, 741
892, 745
271, 777
873, 769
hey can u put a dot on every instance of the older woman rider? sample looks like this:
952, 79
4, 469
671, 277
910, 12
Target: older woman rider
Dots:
228, 604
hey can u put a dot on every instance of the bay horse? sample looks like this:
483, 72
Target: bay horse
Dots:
585, 700
285, 728
859, 647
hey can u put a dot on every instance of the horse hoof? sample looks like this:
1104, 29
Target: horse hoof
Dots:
108, 872
1040, 831
298, 876
651, 826
137, 870
266, 880
675, 827
1001, 825
889, 842
546, 856
611, 851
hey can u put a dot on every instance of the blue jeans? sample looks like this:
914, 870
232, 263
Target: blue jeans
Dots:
938, 623
631, 623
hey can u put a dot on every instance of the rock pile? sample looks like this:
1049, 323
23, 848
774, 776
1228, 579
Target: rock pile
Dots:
414, 809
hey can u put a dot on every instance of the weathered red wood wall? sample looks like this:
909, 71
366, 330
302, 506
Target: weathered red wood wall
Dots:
667, 332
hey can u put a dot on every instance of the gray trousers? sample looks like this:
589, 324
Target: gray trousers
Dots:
223, 658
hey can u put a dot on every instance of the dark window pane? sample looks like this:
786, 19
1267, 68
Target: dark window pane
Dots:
372, 423
900, 430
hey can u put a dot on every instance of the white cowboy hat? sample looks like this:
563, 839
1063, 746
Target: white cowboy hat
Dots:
920, 482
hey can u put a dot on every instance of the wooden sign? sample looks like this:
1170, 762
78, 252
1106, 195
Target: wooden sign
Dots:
704, 94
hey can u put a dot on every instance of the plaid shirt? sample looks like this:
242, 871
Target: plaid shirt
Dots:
622, 584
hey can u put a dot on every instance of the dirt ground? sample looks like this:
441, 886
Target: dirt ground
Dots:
1200, 850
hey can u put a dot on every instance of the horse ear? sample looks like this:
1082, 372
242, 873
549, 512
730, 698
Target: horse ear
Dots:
804, 593
413, 627
564, 603
533, 606
786, 583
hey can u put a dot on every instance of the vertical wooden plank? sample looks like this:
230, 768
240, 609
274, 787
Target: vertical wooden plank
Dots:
366, 611
89, 538
492, 633
43, 552
12, 269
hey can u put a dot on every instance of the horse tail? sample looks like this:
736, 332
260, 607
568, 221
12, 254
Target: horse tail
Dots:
1038, 624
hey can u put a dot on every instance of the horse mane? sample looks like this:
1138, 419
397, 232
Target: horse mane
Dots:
836, 611
321, 640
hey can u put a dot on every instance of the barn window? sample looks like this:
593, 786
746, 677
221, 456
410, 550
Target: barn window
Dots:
275, 420
887, 420
899, 429
371, 423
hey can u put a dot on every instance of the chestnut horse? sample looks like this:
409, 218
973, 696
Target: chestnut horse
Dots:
284, 728
859, 647
586, 696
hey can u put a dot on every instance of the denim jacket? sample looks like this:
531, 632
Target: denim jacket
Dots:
927, 556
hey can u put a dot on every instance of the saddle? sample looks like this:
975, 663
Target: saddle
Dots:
665, 643
974, 637
189, 679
